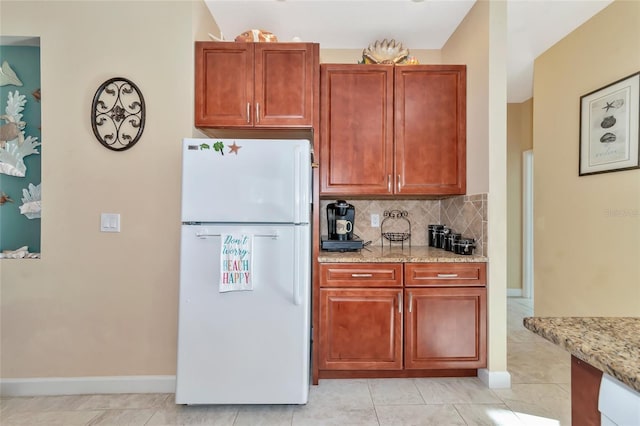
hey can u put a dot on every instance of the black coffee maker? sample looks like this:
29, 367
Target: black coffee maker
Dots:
340, 220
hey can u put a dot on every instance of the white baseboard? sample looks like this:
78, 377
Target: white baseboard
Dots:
514, 292
495, 379
87, 385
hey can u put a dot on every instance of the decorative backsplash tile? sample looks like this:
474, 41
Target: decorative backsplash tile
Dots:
466, 214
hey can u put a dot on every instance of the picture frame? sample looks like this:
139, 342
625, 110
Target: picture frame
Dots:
609, 127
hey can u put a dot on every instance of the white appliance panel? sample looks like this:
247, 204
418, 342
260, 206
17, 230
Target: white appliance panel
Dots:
266, 181
619, 405
246, 347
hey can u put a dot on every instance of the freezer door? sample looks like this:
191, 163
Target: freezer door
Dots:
246, 347
243, 180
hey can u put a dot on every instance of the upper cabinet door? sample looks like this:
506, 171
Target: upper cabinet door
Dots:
356, 129
267, 85
430, 129
284, 74
223, 84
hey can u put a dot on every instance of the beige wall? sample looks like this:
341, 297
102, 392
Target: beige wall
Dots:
519, 140
480, 43
114, 296
469, 45
202, 23
520, 117
587, 229
100, 304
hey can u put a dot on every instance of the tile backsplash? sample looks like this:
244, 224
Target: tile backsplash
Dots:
466, 214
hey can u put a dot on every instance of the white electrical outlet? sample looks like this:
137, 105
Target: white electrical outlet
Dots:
375, 220
110, 222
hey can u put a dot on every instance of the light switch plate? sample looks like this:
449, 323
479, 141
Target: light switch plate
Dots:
110, 222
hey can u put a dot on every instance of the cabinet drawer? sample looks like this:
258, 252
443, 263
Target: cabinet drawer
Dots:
445, 274
361, 275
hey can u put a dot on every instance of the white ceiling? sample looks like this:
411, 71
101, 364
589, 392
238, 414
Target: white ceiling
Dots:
533, 25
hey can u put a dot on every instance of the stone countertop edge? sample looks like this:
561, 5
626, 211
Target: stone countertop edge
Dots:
610, 344
395, 254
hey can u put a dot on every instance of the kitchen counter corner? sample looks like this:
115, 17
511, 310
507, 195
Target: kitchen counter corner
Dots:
610, 344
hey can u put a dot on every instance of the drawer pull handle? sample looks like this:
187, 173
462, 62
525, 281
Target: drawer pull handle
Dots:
410, 301
447, 275
399, 302
389, 183
361, 275
399, 184
248, 112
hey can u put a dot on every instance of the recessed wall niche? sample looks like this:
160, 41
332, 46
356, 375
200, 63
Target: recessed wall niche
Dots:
20, 147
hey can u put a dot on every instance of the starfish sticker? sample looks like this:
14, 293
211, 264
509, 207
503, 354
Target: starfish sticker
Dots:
608, 106
234, 148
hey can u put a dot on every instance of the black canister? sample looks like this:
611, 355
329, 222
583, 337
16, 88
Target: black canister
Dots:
464, 246
438, 236
451, 238
431, 234
442, 237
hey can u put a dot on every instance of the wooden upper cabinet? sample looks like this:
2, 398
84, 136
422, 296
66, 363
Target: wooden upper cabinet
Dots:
356, 129
284, 74
267, 85
224, 83
430, 129
392, 130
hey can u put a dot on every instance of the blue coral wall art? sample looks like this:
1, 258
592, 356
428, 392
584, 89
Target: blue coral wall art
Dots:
16, 229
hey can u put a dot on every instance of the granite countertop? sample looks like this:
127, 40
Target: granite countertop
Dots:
610, 344
394, 253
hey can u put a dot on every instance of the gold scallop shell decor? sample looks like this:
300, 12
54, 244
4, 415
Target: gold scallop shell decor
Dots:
387, 52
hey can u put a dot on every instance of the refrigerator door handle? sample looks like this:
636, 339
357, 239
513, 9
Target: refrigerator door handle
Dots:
297, 269
206, 235
297, 164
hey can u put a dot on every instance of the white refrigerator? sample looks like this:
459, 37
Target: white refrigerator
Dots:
245, 341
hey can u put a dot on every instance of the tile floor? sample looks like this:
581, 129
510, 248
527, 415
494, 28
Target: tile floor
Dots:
540, 396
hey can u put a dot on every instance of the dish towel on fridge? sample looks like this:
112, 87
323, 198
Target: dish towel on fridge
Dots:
236, 263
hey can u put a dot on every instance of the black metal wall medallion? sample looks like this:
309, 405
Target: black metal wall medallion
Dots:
118, 114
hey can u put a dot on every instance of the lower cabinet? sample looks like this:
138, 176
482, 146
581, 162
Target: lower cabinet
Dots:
445, 328
361, 329
401, 317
